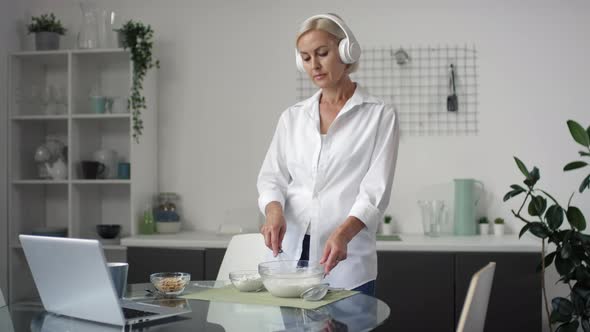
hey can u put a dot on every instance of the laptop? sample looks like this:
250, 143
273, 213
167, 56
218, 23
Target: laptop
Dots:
73, 279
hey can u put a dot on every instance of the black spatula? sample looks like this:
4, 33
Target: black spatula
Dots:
452, 101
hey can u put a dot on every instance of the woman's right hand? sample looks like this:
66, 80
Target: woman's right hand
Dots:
274, 228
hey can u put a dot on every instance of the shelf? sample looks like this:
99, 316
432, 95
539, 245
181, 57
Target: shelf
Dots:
73, 51
39, 117
92, 116
100, 181
39, 181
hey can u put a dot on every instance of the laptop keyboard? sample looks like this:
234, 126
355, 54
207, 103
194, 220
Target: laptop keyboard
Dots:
132, 313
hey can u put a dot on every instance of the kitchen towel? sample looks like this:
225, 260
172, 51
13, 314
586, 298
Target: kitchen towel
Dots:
231, 294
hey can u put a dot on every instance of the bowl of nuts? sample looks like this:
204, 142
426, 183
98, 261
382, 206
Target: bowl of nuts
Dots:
170, 283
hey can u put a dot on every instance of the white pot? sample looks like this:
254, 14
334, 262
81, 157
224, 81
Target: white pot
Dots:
386, 229
498, 229
484, 229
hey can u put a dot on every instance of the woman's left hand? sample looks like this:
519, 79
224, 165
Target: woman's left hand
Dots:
334, 251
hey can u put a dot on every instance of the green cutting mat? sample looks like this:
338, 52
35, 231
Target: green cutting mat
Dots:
231, 294
388, 237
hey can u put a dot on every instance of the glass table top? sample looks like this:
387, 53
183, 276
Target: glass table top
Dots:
356, 313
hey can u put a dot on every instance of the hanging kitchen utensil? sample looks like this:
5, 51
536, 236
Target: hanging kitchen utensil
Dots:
452, 101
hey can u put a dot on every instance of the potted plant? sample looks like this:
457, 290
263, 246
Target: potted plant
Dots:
138, 38
498, 226
47, 30
386, 226
571, 252
484, 226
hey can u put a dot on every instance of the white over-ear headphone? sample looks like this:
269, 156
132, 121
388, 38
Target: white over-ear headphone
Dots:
348, 48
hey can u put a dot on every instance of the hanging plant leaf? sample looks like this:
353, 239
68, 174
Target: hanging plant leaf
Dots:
522, 167
582, 153
579, 134
575, 165
585, 184
554, 216
139, 39
576, 218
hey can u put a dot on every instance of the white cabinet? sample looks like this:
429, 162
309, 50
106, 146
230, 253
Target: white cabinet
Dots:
50, 94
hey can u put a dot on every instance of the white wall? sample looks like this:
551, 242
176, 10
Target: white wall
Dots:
228, 71
9, 13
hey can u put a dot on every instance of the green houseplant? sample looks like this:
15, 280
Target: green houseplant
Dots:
498, 226
571, 256
387, 227
138, 38
484, 225
47, 29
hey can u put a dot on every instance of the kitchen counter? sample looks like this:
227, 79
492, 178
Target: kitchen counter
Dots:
409, 242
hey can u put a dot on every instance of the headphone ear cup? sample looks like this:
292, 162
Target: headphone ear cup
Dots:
343, 51
299, 62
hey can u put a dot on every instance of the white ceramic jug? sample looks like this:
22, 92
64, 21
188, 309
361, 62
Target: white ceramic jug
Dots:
57, 171
109, 159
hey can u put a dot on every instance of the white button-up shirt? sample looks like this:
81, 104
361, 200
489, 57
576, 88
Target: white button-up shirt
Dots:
320, 182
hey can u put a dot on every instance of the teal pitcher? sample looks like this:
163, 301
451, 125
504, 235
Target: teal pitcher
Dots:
466, 199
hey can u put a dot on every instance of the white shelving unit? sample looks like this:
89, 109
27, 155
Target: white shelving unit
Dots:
76, 203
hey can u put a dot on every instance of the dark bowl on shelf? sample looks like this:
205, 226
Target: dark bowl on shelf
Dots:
107, 231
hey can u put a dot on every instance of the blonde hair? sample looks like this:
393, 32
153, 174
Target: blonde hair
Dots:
330, 27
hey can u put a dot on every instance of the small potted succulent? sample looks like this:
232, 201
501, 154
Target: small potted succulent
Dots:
386, 226
47, 30
498, 226
484, 226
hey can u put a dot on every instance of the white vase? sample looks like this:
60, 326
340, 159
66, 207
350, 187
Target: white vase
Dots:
386, 229
484, 229
498, 229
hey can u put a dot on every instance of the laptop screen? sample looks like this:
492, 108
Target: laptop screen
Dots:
72, 278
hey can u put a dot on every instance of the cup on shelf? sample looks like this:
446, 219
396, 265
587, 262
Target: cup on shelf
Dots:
119, 105
101, 104
108, 231
124, 171
92, 169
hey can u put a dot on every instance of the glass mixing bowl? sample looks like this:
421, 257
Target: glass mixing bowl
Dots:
290, 278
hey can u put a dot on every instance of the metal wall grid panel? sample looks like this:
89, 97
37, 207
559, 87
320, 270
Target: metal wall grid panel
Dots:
419, 87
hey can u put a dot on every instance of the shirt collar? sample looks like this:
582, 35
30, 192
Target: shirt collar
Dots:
359, 97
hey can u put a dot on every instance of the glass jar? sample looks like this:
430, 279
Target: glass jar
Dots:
167, 208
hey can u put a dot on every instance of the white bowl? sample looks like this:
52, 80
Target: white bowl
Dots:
246, 281
289, 278
168, 226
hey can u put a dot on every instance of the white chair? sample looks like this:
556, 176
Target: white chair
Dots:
473, 315
244, 252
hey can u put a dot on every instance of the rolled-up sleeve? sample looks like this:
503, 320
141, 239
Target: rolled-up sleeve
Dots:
375, 188
274, 177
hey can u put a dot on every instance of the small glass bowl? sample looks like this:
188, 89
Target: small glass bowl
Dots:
246, 281
170, 283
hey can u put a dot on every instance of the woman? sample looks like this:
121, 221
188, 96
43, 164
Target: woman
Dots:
326, 179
